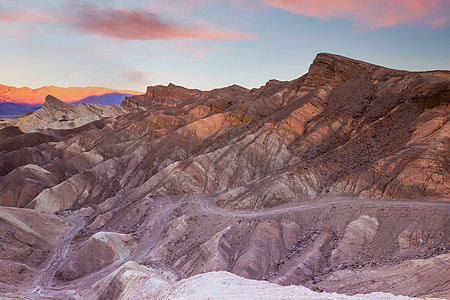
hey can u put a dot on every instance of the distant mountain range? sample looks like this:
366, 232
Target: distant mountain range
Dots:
16, 101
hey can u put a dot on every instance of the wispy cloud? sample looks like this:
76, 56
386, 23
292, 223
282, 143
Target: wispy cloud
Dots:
197, 49
137, 25
370, 13
29, 16
126, 24
19, 33
136, 76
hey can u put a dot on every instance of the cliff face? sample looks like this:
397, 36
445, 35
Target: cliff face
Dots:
286, 182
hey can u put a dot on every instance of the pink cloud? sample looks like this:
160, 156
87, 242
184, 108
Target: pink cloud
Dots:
128, 24
29, 17
137, 25
370, 13
19, 34
198, 50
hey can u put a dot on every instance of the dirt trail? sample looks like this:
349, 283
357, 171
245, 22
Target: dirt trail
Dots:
43, 287
207, 205
161, 217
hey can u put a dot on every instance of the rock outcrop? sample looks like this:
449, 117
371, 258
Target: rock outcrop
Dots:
56, 114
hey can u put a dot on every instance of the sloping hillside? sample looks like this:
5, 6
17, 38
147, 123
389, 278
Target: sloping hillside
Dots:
337, 180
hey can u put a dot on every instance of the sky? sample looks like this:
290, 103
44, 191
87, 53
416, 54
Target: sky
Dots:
206, 44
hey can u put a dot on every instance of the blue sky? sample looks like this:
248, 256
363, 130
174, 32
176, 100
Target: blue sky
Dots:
210, 43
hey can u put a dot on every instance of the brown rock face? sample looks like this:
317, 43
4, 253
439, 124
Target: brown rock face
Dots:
334, 178
333, 69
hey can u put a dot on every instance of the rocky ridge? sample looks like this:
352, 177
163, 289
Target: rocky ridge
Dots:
339, 176
59, 115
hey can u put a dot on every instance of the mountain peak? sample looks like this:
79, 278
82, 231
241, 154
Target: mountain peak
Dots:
171, 91
336, 58
53, 102
334, 68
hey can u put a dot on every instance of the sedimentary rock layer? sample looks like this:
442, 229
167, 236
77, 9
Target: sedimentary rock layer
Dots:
332, 180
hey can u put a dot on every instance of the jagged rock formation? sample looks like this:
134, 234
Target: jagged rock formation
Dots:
56, 114
296, 182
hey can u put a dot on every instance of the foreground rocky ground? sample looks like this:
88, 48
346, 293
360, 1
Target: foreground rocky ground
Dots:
337, 181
